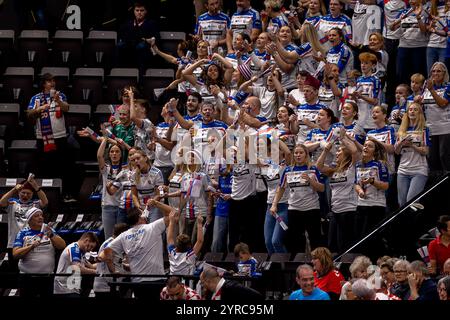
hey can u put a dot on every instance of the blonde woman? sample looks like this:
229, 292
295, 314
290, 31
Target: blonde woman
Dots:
145, 182
304, 181
412, 144
195, 198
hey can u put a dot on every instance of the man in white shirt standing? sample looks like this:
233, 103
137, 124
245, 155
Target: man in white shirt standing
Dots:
144, 247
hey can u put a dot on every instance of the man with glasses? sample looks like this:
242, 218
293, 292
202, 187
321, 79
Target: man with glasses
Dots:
176, 290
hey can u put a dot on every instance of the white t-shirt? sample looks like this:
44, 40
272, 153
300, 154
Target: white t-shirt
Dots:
70, 256
301, 195
181, 262
392, 9
174, 186
144, 248
16, 217
243, 182
110, 174
194, 188
366, 19
41, 259
269, 102
343, 195
147, 183
162, 155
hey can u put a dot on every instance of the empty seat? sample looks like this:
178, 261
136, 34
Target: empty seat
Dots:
67, 48
7, 56
170, 40
87, 86
213, 257
117, 80
300, 257
349, 257
155, 79
22, 158
101, 114
18, 85
100, 48
9, 121
2, 158
61, 75
280, 257
33, 48
78, 116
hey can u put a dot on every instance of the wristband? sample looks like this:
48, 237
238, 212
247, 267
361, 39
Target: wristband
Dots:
39, 189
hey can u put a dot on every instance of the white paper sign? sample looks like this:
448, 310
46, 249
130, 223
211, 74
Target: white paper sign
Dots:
47, 182
79, 218
11, 182
59, 218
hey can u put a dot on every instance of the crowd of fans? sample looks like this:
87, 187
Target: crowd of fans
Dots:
285, 130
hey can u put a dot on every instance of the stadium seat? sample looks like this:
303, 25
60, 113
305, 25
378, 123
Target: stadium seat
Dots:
9, 121
100, 48
87, 86
33, 48
67, 48
101, 114
22, 158
61, 75
2, 158
349, 257
18, 85
119, 78
155, 79
7, 56
213, 257
280, 257
78, 116
170, 40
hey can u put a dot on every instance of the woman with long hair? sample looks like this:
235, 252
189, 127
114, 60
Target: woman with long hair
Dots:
436, 98
343, 196
339, 53
109, 171
122, 182
145, 181
413, 41
330, 91
371, 184
284, 38
326, 276
195, 199
412, 144
348, 122
304, 182
271, 171
305, 53
385, 134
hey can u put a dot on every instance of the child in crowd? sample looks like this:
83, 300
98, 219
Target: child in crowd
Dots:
247, 263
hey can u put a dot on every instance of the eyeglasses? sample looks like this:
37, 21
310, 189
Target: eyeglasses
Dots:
399, 271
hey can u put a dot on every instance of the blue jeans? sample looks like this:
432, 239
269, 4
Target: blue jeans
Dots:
110, 216
435, 55
220, 234
273, 232
409, 186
